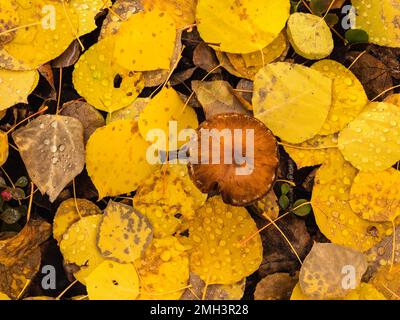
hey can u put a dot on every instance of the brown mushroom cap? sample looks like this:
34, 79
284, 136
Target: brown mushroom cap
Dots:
222, 177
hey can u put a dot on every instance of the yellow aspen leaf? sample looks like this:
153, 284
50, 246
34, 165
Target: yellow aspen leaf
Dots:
374, 195
52, 149
321, 274
116, 158
163, 270
218, 255
332, 211
9, 20
87, 10
292, 100
182, 11
165, 107
124, 233
16, 86
247, 65
166, 193
371, 141
379, 19
79, 244
94, 77
255, 23
387, 281
52, 27
113, 281
3, 296
393, 99
364, 291
67, 214
3, 147
136, 39
310, 35
227, 64
348, 95
130, 112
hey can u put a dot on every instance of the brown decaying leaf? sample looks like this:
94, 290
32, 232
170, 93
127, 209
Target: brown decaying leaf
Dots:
69, 57
217, 97
20, 256
373, 74
90, 118
180, 77
204, 57
52, 149
277, 286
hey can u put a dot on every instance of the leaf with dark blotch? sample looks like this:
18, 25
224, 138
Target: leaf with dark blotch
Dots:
69, 57
277, 286
205, 58
52, 149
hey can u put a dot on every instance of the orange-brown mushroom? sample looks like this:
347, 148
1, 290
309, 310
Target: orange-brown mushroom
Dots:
234, 155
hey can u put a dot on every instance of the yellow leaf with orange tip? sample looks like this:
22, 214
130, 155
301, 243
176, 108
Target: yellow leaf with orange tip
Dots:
16, 86
241, 26
163, 270
134, 46
124, 233
225, 244
94, 77
348, 95
67, 214
113, 281
52, 27
393, 99
166, 107
182, 11
117, 148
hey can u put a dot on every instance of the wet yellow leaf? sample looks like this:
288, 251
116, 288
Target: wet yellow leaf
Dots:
332, 211
312, 152
374, 196
119, 149
166, 107
113, 281
67, 214
146, 41
124, 233
163, 270
379, 19
130, 112
255, 23
16, 86
218, 255
310, 36
292, 100
348, 96
371, 142
95, 74
9, 20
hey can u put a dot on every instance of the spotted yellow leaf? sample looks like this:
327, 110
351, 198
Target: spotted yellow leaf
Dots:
310, 35
379, 18
386, 280
9, 20
348, 95
219, 254
372, 141
95, 74
116, 158
113, 281
137, 37
15, 86
67, 214
332, 211
124, 233
255, 23
51, 27
292, 100
130, 112
374, 195
163, 270
165, 110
